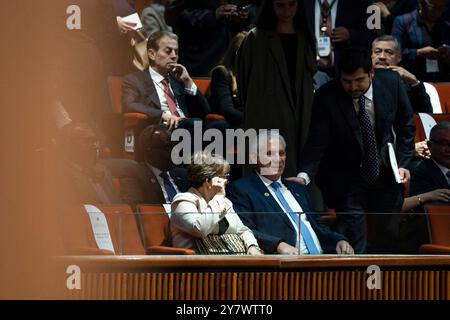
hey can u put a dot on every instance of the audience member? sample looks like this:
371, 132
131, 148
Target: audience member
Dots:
165, 92
155, 180
386, 53
276, 64
273, 207
390, 9
84, 179
206, 28
354, 119
336, 25
224, 97
430, 184
424, 37
204, 210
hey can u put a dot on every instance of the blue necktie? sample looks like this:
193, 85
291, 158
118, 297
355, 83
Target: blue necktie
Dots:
304, 231
171, 192
370, 164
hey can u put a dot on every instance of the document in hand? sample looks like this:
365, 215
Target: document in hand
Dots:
134, 18
393, 161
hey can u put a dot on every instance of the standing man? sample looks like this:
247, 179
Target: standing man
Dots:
336, 25
354, 119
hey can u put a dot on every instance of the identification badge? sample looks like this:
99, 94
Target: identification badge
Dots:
432, 66
324, 46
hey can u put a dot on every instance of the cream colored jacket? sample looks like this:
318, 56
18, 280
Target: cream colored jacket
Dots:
192, 217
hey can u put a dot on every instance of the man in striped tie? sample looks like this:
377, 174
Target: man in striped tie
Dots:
279, 211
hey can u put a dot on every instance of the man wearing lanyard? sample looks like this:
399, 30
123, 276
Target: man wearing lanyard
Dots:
337, 24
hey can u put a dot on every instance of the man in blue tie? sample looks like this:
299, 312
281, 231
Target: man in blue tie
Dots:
274, 208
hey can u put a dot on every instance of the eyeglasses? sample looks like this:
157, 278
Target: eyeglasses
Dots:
442, 143
224, 176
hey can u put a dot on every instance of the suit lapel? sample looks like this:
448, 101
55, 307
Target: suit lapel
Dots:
345, 103
178, 92
264, 192
441, 179
154, 190
276, 48
150, 89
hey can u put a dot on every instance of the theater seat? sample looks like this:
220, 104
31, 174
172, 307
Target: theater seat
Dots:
439, 225
156, 231
443, 90
420, 130
433, 93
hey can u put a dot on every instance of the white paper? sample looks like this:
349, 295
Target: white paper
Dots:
129, 140
99, 228
432, 66
168, 208
134, 18
394, 165
428, 122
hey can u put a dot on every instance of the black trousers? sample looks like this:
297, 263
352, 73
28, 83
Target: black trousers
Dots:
369, 215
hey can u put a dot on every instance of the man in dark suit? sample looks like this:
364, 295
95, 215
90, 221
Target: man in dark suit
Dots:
165, 92
434, 173
155, 179
354, 119
343, 22
268, 205
430, 184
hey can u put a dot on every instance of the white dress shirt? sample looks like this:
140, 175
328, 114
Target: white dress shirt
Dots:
157, 80
160, 180
295, 206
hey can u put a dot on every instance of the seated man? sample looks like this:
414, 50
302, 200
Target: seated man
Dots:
430, 183
82, 178
268, 205
387, 54
155, 179
165, 92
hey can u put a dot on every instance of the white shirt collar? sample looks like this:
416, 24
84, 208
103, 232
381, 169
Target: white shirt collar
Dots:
268, 182
369, 92
155, 75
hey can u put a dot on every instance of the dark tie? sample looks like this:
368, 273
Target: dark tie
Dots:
370, 164
304, 231
171, 192
169, 98
325, 13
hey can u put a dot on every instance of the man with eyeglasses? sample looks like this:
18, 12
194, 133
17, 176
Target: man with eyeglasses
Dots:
386, 54
424, 37
430, 184
434, 173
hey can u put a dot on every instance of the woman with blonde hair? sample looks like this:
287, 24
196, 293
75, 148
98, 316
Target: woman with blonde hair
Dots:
203, 216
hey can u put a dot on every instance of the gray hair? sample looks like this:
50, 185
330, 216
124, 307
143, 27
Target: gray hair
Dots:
155, 37
260, 142
388, 38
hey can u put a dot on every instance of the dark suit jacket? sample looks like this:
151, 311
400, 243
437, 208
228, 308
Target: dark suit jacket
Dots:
124, 7
335, 147
427, 177
138, 184
419, 98
251, 199
139, 95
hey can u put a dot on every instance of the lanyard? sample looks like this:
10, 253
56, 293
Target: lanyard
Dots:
325, 12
